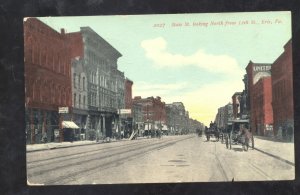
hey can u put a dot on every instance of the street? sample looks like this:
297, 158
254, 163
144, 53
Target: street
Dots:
185, 158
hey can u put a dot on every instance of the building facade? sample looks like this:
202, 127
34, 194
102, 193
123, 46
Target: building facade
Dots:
154, 113
47, 80
105, 90
137, 118
236, 104
79, 97
262, 112
79, 84
181, 122
172, 114
128, 93
255, 71
220, 118
282, 84
224, 115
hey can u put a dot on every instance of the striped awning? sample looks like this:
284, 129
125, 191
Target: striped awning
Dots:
69, 124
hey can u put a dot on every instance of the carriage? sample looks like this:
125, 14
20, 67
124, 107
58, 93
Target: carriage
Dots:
238, 133
212, 131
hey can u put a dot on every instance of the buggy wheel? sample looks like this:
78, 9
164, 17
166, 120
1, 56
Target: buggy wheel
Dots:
230, 139
252, 141
246, 145
226, 141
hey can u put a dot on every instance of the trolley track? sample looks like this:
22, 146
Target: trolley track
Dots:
74, 156
62, 173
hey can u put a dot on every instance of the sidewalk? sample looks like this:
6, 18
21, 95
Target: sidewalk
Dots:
56, 145
284, 151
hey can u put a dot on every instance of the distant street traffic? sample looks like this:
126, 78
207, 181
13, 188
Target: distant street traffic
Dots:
186, 158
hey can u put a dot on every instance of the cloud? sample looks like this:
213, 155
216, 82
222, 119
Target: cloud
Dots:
145, 89
202, 103
156, 50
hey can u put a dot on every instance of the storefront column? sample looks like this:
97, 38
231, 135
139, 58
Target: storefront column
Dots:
60, 128
104, 129
32, 141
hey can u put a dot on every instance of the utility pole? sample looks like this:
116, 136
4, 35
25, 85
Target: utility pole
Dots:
148, 118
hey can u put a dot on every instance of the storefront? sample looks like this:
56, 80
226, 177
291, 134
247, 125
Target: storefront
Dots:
71, 131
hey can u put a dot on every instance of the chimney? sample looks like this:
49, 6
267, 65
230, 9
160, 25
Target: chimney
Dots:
62, 31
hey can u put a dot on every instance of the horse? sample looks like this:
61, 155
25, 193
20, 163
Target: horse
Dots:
246, 135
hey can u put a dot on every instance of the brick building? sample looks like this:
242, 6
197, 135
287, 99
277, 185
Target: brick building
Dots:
262, 112
47, 79
128, 93
79, 83
154, 112
255, 71
282, 84
236, 104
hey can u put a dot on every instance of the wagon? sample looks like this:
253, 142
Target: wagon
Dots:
212, 131
238, 133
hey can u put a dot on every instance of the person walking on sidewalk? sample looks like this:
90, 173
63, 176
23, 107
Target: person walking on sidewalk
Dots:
279, 133
290, 133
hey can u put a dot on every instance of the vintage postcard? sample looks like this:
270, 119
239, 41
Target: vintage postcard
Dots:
159, 98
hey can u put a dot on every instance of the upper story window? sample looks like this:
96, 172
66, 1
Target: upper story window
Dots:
83, 83
79, 82
79, 101
74, 80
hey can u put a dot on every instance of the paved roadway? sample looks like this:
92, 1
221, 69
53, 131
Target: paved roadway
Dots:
185, 158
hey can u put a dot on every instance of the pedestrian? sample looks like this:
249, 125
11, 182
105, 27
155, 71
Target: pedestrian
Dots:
284, 132
44, 137
279, 133
290, 133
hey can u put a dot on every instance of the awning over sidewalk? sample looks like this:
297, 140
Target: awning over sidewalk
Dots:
69, 124
164, 128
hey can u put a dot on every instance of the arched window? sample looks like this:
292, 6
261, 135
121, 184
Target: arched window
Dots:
84, 102
33, 90
79, 102
79, 82
58, 64
41, 91
59, 95
53, 93
53, 60
83, 83
64, 67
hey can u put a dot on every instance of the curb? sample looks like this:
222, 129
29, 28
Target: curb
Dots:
69, 146
275, 156
58, 147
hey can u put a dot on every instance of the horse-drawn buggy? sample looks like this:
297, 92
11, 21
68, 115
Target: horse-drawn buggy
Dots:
238, 133
212, 131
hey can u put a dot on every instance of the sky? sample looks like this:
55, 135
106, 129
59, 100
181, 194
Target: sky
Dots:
197, 59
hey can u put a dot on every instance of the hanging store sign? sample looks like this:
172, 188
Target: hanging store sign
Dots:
124, 111
63, 109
